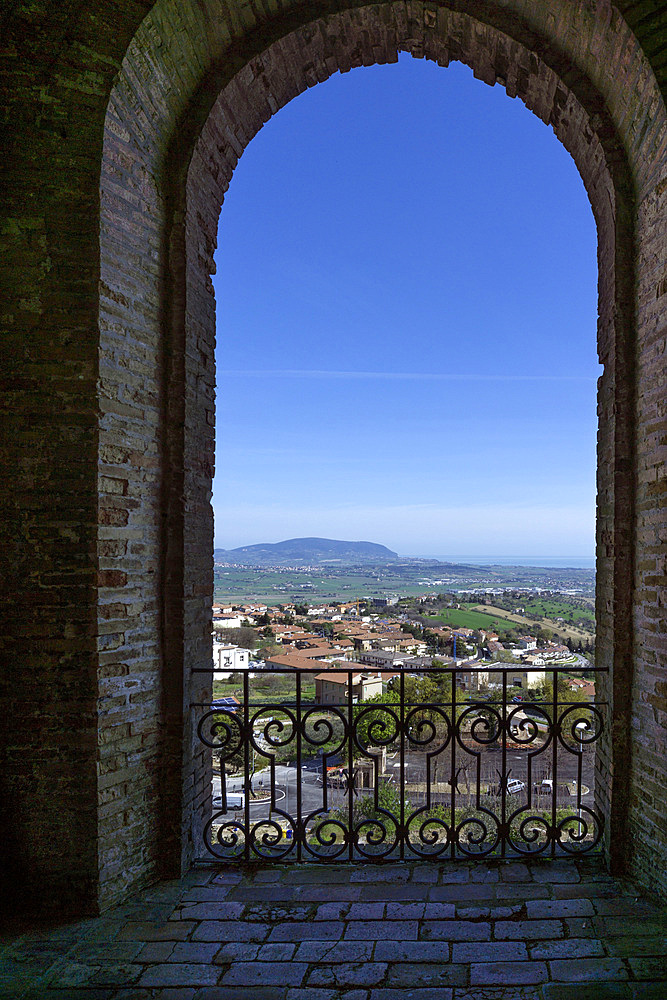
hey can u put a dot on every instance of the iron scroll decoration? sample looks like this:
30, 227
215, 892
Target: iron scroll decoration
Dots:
466, 778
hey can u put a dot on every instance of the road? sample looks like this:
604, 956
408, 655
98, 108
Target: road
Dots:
312, 793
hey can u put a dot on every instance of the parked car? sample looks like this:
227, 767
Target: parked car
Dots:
235, 800
514, 786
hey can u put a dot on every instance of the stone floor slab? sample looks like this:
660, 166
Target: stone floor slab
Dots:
416, 931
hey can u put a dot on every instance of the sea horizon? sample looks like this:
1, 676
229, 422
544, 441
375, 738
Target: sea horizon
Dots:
540, 562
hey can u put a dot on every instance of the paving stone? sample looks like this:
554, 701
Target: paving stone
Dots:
332, 893
173, 974
455, 876
648, 991
570, 948
455, 930
236, 951
592, 891
582, 991
439, 911
392, 893
264, 974
174, 930
388, 873
411, 994
515, 871
552, 873
424, 874
494, 912
546, 909
625, 947
408, 975
155, 951
587, 969
627, 906
278, 952
527, 929
463, 893
206, 894
509, 973
308, 931
268, 876
624, 926
257, 893
71, 974
579, 927
396, 930
649, 967
324, 993
117, 975
411, 951
238, 993
209, 911
332, 911
513, 992
90, 993
480, 873
365, 911
170, 993
339, 951
348, 974
229, 930
382, 940
106, 951
406, 911
527, 890
489, 951
228, 878
193, 952
265, 913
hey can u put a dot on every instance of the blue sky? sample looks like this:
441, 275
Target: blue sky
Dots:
406, 316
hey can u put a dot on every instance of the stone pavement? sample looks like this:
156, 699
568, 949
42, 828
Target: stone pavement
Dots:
563, 930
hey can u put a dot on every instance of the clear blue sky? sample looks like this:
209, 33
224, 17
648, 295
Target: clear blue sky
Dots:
406, 315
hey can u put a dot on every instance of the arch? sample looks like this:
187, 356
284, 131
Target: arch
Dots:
154, 102
173, 140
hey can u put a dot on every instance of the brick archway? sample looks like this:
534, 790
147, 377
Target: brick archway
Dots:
574, 73
123, 579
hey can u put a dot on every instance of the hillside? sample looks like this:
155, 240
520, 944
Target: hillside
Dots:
307, 552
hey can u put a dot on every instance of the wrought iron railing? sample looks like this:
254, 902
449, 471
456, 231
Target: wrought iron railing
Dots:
427, 770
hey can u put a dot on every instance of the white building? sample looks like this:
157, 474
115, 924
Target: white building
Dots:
228, 659
331, 688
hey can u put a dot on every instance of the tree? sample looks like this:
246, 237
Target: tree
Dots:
245, 637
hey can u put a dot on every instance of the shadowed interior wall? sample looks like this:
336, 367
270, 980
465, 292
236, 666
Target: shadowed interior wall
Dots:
110, 445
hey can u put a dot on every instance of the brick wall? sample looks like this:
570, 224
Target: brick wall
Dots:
115, 182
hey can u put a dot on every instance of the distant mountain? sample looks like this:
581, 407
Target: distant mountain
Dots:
307, 552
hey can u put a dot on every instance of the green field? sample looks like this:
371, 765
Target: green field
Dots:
468, 619
269, 688
558, 609
282, 585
